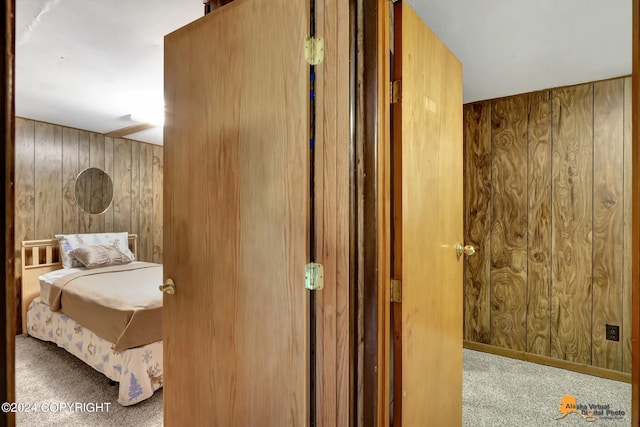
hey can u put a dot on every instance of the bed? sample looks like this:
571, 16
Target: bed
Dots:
120, 334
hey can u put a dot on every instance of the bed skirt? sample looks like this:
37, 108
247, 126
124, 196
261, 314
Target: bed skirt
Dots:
138, 370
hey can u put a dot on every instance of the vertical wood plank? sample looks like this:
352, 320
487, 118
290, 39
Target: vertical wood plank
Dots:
69, 173
477, 151
122, 185
635, 199
48, 180
539, 225
24, 221
608, 175
96, 160
96, 150
135, 192
84, 150
108, 168
572, 118
24, 202
156, 235
509, 222
145, 243
627, 263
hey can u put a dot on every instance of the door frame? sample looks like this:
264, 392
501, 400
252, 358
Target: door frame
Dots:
635, 223
372, 188
7, 295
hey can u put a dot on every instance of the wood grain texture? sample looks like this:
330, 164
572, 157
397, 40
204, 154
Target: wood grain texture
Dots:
84, 150
608, 206
122, 185
627, 263
509, 221
24, 199
572, 115
135, 190
539, 225
48, 179
145, 246
96, 223
579, 222
477, 285
432, 220
156, 233
366, 238
332, 216
24, 220
69, 173
236, 217
108, 168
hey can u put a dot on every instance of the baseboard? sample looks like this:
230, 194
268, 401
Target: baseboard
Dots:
550, 361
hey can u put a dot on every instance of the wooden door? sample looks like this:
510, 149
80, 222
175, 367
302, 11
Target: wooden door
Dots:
427, 204
236, 181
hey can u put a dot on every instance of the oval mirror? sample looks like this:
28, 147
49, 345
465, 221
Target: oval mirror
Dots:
94, 190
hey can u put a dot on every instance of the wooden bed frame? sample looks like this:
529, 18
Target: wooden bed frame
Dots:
40, 257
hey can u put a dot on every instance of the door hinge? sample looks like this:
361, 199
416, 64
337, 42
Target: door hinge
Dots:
396, 91
396, 290
314, 276
314, 50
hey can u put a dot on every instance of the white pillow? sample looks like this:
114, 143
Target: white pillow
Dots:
69, 242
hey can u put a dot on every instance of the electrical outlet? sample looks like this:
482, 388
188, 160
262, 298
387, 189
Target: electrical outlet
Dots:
613, 332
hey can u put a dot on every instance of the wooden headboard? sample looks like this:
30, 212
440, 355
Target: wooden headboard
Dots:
40, 257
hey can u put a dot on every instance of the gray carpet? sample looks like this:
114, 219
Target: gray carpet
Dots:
48, 374
497, 391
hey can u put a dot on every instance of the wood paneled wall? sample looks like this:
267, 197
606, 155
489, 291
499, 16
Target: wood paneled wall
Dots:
548, 206
47, 160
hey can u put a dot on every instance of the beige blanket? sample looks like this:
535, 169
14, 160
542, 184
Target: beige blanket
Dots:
120, 303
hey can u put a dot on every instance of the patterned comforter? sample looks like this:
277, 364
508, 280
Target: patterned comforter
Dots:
138, 370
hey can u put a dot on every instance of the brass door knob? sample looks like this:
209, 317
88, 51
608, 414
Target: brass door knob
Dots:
169, 287
467, 250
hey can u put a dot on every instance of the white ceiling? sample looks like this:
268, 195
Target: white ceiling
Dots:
90, 64
515, 46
